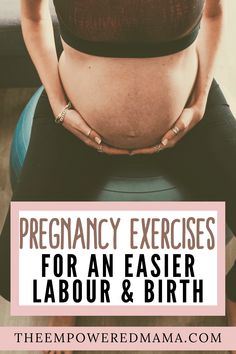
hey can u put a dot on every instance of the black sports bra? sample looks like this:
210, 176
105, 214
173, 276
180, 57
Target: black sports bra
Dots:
129, 28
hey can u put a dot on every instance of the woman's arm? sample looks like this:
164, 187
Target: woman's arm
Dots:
209, 41
208, 45
39, 39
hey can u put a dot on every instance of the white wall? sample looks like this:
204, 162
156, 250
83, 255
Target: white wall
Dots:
226, 66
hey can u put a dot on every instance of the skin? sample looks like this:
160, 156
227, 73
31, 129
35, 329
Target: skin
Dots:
183, 111
124, 113
119, 105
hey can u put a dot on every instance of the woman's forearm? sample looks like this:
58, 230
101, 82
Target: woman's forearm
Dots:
209, 42
39, 39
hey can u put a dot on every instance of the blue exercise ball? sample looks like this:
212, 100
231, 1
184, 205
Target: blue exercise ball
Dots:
119, 187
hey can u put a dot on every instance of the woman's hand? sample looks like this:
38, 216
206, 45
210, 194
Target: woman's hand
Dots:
208, 45
75, 124
187, 120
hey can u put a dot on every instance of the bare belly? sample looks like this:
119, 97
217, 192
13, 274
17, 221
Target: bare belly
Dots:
130, 102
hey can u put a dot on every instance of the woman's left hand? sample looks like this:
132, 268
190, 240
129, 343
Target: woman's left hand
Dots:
187, 120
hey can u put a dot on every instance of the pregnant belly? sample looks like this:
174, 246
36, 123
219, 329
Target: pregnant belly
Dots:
131, 103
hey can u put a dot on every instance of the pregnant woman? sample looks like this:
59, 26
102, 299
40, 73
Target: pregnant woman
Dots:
135, 78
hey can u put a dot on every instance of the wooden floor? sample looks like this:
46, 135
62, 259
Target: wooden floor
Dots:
11, 102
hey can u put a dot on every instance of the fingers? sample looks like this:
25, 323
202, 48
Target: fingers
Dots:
94, 136
85, 129
113, 151
73, 120
179, 129
58, 352
103, 148
147, 151
172, 137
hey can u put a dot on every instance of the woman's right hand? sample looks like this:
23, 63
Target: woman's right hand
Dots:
75, 124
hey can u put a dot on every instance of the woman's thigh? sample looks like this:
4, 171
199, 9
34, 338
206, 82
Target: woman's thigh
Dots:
58, 166
205, 159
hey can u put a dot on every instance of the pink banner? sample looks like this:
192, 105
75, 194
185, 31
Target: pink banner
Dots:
118, 338
126, 309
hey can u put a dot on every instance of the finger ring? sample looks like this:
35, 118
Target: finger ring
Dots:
100, 148
89, 132
157, 148
175, 130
